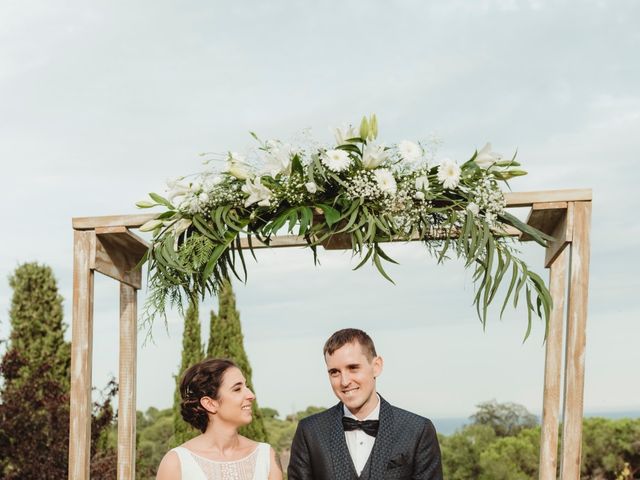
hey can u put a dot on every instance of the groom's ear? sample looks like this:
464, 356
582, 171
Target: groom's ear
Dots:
378, 363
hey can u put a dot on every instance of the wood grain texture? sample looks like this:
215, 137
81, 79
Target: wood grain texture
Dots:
81, 357
127, 383
576, 342
553, 370
117, 253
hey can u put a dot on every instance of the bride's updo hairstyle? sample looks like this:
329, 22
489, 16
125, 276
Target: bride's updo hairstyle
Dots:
201, 380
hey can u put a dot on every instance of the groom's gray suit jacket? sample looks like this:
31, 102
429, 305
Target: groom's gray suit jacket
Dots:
406, 447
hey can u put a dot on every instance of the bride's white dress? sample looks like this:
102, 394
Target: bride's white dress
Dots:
254, 466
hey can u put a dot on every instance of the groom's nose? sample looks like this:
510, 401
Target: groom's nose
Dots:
345, 380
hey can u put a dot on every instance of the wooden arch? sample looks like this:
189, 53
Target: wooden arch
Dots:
106, 245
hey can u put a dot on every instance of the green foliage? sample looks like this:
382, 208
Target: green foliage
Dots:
512, 457
506, 419
191, 354
226, 341
197, 247
37, 329
34, 396
461, 451
608, 445
155, 437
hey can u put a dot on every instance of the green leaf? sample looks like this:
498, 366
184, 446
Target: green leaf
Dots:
161, 200
331, 215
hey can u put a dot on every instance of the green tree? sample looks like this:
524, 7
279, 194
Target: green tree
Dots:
512, 458
608, 445
155, 436
226, 341
191, 354
506, 419
37, 328
34, 397
461, 451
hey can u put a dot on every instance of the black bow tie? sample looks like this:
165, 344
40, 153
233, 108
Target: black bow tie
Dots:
370, 427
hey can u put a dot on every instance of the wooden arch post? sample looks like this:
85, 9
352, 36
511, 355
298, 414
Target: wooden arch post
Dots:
106, 245
113, 251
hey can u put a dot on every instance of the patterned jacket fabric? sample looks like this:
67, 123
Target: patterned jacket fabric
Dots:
406, 448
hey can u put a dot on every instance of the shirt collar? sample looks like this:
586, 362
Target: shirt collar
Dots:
374, 415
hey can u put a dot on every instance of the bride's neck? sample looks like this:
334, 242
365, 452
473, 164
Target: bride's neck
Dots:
222, 437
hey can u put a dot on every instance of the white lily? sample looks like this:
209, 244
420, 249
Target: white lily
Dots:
373, 155
486, 158
344, 134
257, 192
278, 159
237, 167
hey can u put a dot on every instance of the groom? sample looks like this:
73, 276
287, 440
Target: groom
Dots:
363, 436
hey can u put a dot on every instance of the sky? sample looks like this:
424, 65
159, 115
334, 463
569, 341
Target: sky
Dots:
101, 102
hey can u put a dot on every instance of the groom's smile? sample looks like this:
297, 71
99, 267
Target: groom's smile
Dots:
353, 378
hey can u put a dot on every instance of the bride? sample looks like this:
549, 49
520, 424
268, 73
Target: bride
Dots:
217, 401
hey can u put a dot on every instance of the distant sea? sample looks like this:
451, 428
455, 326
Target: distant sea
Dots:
447, 426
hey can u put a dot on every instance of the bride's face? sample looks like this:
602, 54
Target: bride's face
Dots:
235, 399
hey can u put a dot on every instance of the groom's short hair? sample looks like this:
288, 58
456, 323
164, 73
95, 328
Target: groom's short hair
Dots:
349, 335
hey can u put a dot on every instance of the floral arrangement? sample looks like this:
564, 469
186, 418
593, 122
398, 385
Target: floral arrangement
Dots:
358, 188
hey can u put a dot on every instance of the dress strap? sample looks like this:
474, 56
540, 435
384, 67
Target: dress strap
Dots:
263, 462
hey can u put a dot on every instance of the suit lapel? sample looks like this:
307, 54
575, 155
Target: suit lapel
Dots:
384, 442
342, 464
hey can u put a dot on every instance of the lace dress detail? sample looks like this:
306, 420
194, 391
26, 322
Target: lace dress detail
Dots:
254, 466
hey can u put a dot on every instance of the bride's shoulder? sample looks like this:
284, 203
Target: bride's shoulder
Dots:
169, 468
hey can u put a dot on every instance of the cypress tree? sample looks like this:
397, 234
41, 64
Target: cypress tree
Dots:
226, 341
37, 329
34, 395
191, 354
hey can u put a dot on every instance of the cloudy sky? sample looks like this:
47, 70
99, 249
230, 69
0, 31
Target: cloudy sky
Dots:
101, 102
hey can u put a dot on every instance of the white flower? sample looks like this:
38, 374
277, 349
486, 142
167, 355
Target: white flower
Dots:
336, 160
344, 134
257, 192
237, 167
419, 195
177, 189
473, 208
373, 155
311, 187
486, 157
211, 181
278, 158
203, 198
385, 180
409, 151
422, 183
449, 174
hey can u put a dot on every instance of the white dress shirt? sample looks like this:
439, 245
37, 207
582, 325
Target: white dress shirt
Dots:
359, 443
